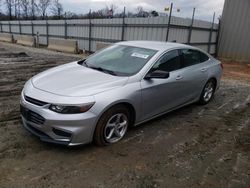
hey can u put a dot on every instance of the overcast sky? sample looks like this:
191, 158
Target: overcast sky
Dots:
204, 8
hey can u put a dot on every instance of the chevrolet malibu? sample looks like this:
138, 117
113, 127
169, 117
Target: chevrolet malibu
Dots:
100, 97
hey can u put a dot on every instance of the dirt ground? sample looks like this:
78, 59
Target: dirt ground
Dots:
196, 146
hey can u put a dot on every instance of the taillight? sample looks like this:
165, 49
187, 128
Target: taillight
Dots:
221, 65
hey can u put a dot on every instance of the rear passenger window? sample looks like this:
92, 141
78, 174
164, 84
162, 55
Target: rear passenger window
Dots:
190, 57
203, 57
168, 62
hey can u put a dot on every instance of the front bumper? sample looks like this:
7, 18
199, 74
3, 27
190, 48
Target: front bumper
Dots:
49, 126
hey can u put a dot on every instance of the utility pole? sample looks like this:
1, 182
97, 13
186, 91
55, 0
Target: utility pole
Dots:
169, 21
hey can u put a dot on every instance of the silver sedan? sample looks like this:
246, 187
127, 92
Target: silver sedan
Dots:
99, 98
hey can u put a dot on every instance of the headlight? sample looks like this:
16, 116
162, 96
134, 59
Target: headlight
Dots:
70, 109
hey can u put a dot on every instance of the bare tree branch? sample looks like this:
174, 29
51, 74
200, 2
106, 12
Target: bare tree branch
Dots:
33, 8
25, 8
57, 9
139, 10
16, 8
43, 6
9, 5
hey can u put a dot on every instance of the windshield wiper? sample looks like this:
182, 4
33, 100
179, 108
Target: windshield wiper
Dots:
103, 70
83, 62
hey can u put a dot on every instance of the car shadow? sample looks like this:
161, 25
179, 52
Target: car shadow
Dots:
172, 114
183, 111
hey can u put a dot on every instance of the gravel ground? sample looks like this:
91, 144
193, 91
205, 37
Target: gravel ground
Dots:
196, 146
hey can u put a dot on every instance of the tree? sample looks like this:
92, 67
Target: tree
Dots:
139, 10
43, 6
17, 8
9, 5
57, 9
0, 6
71, 15
101, 13
154, 13
25, 8
33, 8
130, 14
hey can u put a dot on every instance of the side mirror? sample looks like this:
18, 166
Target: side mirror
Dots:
157, 74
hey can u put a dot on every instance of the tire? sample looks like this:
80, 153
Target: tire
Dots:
207, 92
109, 124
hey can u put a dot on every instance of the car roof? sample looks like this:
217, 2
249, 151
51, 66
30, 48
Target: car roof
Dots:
155, 45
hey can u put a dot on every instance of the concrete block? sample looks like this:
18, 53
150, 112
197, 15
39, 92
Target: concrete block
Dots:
100, 45
63, 45
26, 40
6, 37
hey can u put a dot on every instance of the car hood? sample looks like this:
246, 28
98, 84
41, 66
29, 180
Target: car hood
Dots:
76, 80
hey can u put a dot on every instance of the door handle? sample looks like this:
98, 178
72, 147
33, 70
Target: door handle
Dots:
203, 69
179, 77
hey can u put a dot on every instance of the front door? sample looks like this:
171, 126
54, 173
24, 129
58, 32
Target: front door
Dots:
159, 95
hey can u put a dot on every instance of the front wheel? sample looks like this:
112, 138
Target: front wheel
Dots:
112, 126
207, 92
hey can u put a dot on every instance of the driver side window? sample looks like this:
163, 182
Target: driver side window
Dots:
170, 61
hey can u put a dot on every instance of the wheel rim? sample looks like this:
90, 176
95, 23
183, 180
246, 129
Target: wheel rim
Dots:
116, 128
208, 91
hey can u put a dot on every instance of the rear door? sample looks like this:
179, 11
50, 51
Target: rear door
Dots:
194, 71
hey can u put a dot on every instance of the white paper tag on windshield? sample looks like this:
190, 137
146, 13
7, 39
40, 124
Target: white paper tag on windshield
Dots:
144, 56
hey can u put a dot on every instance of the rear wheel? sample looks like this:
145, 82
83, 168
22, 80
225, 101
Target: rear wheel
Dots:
112, 125
207, 92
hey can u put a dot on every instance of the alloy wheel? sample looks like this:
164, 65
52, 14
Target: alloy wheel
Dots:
116, 128
208, 91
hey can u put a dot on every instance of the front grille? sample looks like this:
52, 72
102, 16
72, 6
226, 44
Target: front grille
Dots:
38, 132
32, 116
44, 136
35, 101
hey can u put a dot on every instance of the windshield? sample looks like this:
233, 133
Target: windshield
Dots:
120, 60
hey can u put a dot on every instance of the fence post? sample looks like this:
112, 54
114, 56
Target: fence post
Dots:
123, 23
210, 34
217, 40
90, 30
191, 27
32, 28
47, 32
1, 27
37, 39
169, 21
20, 27
9, 27
65, 29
